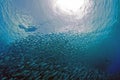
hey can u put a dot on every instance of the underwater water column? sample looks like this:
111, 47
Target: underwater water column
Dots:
59, 39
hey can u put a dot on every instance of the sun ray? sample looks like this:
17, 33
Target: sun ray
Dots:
70, 6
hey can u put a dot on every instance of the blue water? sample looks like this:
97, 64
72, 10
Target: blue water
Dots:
38, 43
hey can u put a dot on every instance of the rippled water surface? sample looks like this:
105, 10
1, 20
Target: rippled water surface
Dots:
54, 40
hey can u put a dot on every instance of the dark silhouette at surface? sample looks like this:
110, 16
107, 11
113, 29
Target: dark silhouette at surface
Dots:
28, 29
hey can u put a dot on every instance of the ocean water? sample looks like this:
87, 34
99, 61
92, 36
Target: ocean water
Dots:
40, 42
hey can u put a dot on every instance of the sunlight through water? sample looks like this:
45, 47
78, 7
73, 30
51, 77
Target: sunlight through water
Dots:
70, 6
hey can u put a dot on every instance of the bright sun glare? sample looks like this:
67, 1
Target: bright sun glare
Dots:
69, 6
